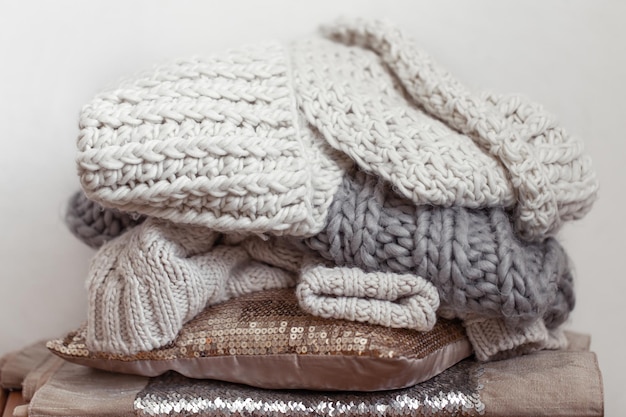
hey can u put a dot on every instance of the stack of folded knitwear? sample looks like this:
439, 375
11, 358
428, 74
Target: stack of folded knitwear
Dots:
348, 173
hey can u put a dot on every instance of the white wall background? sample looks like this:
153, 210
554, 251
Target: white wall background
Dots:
54, 56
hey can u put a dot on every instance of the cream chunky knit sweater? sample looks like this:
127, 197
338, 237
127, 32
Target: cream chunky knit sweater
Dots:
257, 140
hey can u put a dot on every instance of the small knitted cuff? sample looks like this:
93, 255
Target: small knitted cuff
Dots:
386, 299
493, 339
556, 339
382, 298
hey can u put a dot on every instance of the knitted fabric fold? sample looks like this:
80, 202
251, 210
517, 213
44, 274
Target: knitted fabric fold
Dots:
399, 300
472, 257
145, 284
257, 140
382, 298
211, 141
510, 159
284, 254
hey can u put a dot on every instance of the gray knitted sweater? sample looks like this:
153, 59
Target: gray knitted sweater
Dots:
473, 257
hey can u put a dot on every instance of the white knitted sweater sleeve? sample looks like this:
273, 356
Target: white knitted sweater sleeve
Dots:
145, 284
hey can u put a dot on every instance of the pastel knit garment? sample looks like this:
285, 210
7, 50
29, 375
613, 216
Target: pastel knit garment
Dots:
473, 257
145, 284
257, 140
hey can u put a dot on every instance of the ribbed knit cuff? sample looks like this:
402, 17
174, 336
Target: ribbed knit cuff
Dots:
493, 339
556, 340
382, 298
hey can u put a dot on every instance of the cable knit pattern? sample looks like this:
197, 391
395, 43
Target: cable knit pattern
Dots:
552, 180
472, 257
94, 224
145, 284
211, 141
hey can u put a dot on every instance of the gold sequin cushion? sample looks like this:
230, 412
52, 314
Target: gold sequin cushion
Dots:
265, 340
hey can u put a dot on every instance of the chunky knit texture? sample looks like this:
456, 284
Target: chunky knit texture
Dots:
315, 297
472, 257
94, 224
551, 180
213, 141
388, 299
257, 140
145, 284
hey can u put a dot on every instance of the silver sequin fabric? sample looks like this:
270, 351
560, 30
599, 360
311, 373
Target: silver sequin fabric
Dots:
454, 392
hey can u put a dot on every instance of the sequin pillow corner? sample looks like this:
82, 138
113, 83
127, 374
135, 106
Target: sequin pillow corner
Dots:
265, 340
